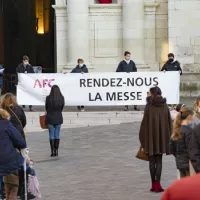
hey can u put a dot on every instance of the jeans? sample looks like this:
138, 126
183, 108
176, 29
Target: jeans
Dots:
54, 131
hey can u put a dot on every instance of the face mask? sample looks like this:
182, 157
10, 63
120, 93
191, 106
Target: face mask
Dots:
127, 58
171, 60
26, 63
80, 65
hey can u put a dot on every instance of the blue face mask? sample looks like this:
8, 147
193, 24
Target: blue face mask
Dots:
127, 58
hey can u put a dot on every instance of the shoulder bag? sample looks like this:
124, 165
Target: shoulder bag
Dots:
142, 155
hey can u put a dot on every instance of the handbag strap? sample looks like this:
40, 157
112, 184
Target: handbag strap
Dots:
16, 117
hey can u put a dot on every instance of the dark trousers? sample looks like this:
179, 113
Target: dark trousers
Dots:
80, 107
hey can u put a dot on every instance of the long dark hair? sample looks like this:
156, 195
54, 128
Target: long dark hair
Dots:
55, 97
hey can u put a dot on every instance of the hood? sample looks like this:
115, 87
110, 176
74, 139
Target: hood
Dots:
158, 100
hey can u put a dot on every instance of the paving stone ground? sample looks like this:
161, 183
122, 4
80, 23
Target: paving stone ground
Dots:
96, 163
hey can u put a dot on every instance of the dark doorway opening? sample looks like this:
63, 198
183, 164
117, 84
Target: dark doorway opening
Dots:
27, 28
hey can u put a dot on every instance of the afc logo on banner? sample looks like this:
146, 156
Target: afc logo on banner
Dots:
43, 83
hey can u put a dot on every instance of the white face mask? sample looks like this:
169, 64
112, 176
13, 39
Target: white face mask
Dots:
127, 58
25, 62
81, 65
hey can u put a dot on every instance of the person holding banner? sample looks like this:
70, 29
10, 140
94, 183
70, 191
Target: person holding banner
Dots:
127, 65
26, 68
154, 134
54, 105
80, 68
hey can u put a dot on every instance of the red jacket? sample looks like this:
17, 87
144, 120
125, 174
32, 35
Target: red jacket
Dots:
184, 189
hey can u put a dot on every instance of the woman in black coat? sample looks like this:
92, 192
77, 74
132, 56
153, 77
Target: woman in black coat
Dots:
54, 105
10, 139
180, 139
17, 115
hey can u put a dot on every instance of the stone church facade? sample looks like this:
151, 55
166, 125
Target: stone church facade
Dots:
149, 29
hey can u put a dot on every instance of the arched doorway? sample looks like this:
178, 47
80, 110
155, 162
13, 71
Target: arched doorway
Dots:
27, 28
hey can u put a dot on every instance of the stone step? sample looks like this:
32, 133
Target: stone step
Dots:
85, 119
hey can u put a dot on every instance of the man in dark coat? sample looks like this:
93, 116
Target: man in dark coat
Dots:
10, 139
80, 68
25, 67
171, 64
127, 65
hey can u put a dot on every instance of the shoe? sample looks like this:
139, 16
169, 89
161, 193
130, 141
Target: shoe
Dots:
153, 187
158, 187
56, 147
126, 108
52, 143
136, 108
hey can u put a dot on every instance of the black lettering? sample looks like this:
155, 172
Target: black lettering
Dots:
82, 83
139, 81
148, 81
130, 81
90, 97
119, 96
155, 80
97, 83
132, 94
110, 97
105, 82
112, 82
139, 95
98, 97
126, 95
89, 82
119, 82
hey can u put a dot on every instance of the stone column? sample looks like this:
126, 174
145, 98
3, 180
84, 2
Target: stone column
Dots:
78, 31
150, 35
61, 34
133, 29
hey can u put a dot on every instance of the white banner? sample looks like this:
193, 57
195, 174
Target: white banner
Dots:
99, 89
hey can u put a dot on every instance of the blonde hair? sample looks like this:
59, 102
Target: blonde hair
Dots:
196, 104
4, 114
182, 115
9, 100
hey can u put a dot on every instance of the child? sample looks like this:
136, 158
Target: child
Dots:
80, 68
180, 140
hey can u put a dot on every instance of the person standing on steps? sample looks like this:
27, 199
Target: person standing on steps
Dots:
127, 65
54, 105
80, 68
26, 68
154, 134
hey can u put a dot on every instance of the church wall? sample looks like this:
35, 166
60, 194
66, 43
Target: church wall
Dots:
105, 36
184, 33
161, 31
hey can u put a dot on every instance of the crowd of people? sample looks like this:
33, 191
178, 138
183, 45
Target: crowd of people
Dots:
176, 131
157, 134
13, 139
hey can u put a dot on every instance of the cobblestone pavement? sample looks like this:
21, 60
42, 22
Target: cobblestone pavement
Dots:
95, 163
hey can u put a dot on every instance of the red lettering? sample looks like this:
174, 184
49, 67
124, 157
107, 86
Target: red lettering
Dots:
49, 84
37, 83
45, 81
